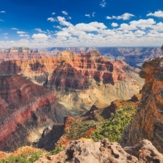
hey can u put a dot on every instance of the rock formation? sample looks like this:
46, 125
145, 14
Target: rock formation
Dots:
84, 79
134, 56
26, 109
87, 151
64, 84
148, 122
21, 53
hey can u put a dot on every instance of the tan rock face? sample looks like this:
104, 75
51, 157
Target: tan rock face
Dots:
148, 122
87, 151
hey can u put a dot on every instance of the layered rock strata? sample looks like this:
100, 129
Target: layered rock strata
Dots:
84, 79
26, 109
148, 122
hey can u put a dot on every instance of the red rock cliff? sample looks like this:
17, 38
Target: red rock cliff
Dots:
24, 108
148, 122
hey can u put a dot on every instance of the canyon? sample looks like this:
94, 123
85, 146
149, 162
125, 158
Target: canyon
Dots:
54, 101
87, 77
134, 56
20, 53
37, 93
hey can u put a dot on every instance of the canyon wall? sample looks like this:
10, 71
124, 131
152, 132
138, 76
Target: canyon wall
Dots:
79, 80
26, 110
148, 122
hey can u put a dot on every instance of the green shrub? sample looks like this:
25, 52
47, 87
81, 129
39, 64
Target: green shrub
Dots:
24, 158
113, 127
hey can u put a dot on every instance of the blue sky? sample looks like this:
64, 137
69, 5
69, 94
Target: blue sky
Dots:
47, 23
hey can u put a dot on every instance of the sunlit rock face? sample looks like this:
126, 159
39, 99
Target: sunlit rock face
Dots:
86, 150
79, 80
26, 109
148, 122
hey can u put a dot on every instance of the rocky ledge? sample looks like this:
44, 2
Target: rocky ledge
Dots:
88, 151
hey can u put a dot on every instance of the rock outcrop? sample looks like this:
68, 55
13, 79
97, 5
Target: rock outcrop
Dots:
87, 151
148, 122
26, 109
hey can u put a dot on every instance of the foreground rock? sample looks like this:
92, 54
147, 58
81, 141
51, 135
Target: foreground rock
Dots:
87, 151
148, 122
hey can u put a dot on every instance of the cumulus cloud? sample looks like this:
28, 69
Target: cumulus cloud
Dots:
125, 16
22, 34
53, 13
51, 19
2, 12
87, 15
114, 24
103, 3
141, 32
64, 12
63, 21
142, 24
40, 36
156, 14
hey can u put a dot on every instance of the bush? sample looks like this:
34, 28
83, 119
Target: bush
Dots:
113, 127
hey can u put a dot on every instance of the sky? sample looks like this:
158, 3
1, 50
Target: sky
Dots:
81, 23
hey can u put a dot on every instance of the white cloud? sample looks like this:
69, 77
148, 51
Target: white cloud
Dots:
156, 14
87, 15
139, 33
103, 3
53, 13
24, 35
125, 16
64, 12
51, 19
2, 12
21, 32
114, 24
142, 32
142, 24
63, 33
63, 21
14, 29
39, 30
40, 36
